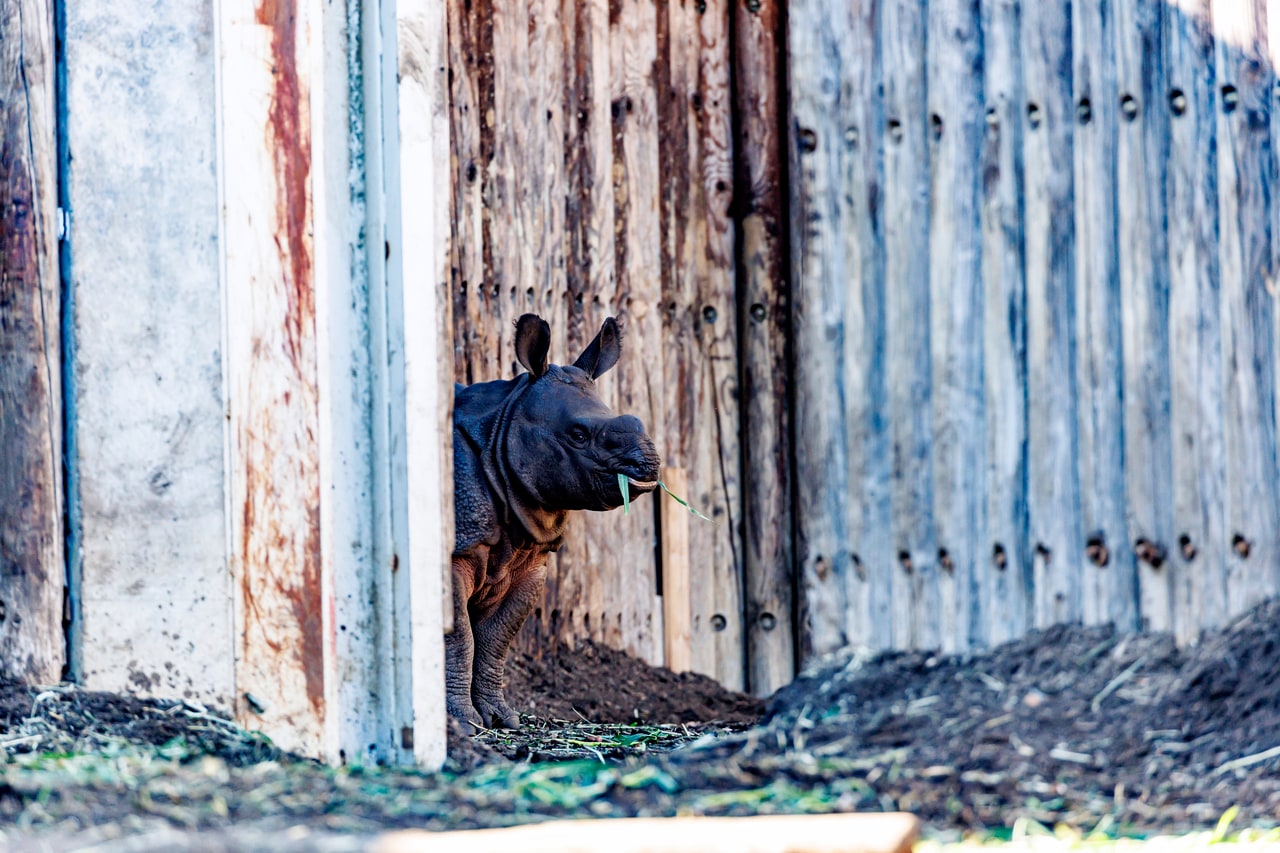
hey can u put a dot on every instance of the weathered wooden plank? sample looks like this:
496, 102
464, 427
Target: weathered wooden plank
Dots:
281, 603
704, 397
822, 495
1053, 496
470, 128
908, 349
677, 609
630, 599
763, 320
1246, 176
1195, 348
1108, 572
859, 149
1005, 588
146, 448
1141, 154
956, 124
33, 576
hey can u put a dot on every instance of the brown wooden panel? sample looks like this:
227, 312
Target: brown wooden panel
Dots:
764, 319
32, 568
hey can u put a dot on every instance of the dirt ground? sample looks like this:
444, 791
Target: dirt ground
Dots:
1070, 725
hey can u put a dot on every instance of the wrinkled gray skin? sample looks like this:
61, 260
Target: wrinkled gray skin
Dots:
527, 452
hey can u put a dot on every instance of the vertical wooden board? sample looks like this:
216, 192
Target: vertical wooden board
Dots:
32, 580
717, 452
1108, 573
1005, 589
417, 272
916, 600
762, 316
1195, 348
677, 609
858, 139
146, 448
580, 566
271, 342
1246, 176
822, 491
1053, 496
508, 200
1141, 155
629, 603
475, 355
956, 124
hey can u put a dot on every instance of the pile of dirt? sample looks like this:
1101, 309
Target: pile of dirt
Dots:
65, 719
599, 684
1071, 724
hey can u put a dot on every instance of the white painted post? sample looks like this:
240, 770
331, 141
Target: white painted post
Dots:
416, 180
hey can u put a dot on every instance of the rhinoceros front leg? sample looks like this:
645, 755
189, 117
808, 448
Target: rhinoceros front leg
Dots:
494, 632
459, 651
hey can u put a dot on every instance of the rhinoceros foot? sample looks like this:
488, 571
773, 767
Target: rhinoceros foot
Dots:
495, 711
462, 709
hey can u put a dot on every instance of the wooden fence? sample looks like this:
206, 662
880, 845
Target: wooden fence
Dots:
1027, 370
1035, 323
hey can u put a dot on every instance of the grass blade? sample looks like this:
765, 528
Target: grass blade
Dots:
684, 503
625, 487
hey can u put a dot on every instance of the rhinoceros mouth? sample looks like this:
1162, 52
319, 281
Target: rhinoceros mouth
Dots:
642, 485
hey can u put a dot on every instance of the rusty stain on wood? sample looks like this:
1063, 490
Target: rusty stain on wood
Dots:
32, 573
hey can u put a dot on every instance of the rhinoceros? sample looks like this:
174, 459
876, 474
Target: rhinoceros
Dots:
527, 452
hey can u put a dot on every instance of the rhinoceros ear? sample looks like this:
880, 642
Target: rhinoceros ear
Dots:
533, 339
602, 353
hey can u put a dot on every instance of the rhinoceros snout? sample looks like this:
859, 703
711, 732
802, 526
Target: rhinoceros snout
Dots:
631, 448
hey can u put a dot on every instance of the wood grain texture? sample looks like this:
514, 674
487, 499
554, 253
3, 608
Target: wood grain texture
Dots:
823, 492
1005, 589
956, 125
272, 372
677, 609
1140, 157
1108, 572
859, 147
1195, 345
908, 347
1246, 180
1053, 491
763, 316
33, 575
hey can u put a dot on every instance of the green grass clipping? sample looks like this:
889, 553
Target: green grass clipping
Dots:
624, 486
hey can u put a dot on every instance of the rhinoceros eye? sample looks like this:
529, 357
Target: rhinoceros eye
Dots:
578, 434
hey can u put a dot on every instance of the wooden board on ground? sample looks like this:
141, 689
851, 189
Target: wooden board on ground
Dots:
841, 833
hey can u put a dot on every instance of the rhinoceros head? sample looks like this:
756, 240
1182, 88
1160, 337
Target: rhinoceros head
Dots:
564, 446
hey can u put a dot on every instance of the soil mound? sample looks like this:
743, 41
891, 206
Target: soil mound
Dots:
603, 685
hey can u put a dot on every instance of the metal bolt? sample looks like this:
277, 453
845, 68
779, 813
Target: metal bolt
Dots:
895, 131
1033, 115
1096, 550
1084, 111
935, 121
807, 140
999, 557
1187, 547
1043, 552
1129, 106
758, 313
1230, 98
768, 621
904, 558
1149, 552
718, 622
709, 313
944, 560
1178, 102
1241, 546
851, 137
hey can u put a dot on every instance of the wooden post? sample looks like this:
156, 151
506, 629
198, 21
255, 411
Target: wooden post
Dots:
1004, 586
1246, 180
1195, 326
1053, 492
908, 363
32, 570
1108, 570
764, 321
955, 312
1141, 153
677, 613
